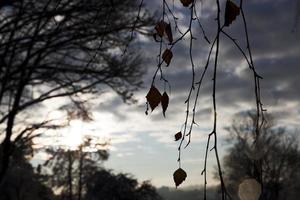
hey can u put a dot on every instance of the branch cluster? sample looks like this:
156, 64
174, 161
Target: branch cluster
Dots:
164, 36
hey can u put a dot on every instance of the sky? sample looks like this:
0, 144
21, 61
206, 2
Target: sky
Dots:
144, 145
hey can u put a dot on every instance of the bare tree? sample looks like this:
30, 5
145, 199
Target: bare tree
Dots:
68, 170
278, 150
63, 48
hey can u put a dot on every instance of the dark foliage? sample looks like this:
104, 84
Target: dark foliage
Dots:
69, 170
106, 185
22, 182
72, 174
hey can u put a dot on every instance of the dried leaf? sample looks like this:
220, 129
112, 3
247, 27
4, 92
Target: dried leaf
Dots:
161, 28
178, 136
231, 12
179, 176
186, 3
167, 56
164, 102
153, 97
168, 32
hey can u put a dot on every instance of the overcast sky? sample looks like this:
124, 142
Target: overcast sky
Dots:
144, 145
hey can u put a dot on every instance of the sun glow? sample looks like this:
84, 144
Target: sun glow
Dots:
77, 132
74, 135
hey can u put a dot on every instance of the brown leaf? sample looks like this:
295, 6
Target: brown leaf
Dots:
186, 3
178, 136
179, 176
167, 56
164, 102
168, 32
153, 97
231, 12
161, 28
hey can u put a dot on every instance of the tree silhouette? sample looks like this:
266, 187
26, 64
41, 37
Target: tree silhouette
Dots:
63, 48
71, 169
277, 148
80, 175
22, 181
106, 185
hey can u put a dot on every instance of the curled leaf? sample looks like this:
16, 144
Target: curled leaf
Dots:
168, 32
164, 102
186, 3
179, 176
167, 56
163, 28
231, 12
153, 97
178, 136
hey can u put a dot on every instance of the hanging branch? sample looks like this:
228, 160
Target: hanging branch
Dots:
187, 101
260, 118
214, 132
154, 98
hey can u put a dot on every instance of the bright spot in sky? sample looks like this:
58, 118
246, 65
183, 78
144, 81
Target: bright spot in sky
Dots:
74, 136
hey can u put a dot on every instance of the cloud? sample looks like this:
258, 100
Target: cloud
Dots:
276, 53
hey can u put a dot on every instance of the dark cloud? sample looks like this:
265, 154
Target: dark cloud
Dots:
276, 53
275, 48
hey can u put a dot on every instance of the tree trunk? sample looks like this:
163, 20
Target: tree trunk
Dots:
80, 173
70, 185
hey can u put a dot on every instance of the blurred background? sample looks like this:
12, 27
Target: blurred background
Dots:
73, 79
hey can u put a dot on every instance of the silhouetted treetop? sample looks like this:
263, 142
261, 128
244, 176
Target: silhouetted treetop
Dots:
106, 185
69, 45
65, 48
277, 148
22, 181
